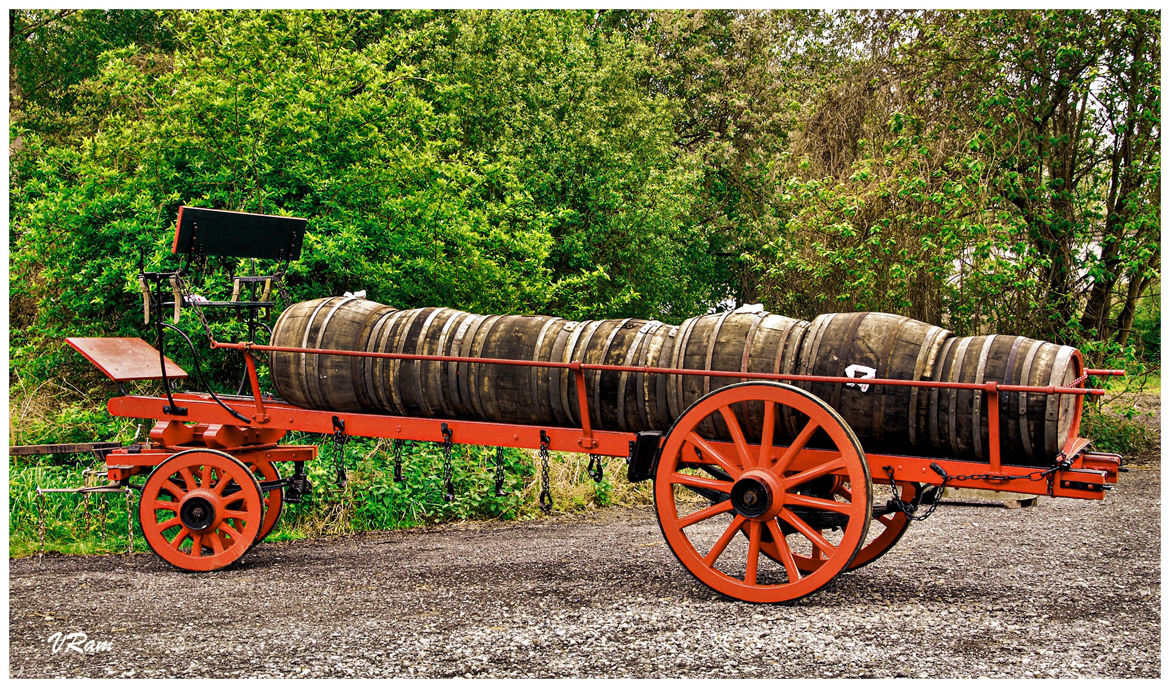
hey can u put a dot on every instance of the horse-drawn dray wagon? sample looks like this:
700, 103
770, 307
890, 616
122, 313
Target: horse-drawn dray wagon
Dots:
769, 480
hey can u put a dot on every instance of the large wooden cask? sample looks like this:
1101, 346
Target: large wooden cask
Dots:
1033, 427
326, 382
874, 345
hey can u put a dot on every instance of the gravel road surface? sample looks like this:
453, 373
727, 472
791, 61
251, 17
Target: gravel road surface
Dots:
1064, 589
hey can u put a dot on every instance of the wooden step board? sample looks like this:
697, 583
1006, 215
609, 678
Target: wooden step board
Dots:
124, 358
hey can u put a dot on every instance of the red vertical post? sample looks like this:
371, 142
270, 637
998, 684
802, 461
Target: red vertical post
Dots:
254, 379
993, 426
583, 405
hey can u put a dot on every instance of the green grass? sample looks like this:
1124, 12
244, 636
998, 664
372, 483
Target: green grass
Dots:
371, 501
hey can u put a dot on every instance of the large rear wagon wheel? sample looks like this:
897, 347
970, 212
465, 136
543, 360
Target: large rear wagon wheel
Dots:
707, 490
200, 510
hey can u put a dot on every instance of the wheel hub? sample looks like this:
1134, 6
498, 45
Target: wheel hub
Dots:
197, 513
756, 495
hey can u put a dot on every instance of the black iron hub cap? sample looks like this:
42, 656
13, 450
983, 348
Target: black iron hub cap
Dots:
750, 497
196, 513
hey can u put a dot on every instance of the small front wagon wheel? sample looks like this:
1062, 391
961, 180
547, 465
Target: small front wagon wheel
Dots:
715, 480
200, 510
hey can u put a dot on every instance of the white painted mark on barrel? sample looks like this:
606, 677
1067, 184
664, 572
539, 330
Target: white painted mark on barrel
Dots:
861, 373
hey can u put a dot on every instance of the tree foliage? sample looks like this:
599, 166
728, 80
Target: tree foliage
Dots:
987, 170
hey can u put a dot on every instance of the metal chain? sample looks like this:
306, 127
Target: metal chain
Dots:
284, 295
339, 440
499, 472
184, 293
448, 479
102, 515
546, 501
86, 518
129, 524
398, 460
909, 508
40, 525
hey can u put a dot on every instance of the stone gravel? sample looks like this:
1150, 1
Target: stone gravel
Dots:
1067, 588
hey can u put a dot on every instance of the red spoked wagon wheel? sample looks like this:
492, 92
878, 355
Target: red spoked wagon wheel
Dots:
707, 490
273, 499
200, 510
884, 532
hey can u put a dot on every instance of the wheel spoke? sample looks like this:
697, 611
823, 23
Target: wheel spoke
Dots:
696, 481
216, 542
766, 437
236, 514
793, 449
887, 520
817, 503
235, 534
710, 454
169, 523
173, 487
704, 514
196, 544
842, 491
753, 555
721, 543
188, 479
784, 551
224, 481
207, 478
816, 472
166, 506
808, 531
178, 539
741, 446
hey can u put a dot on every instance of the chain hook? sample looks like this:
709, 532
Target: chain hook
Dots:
596, 468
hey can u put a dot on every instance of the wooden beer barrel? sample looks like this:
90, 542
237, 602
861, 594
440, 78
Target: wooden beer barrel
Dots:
733, 341
330, 382
886, 418
875, 345
1033, 427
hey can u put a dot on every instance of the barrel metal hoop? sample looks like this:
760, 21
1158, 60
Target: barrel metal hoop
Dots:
977, 399
1025, 426
713, 337
604, 357
623, 379
304, 362
540, 376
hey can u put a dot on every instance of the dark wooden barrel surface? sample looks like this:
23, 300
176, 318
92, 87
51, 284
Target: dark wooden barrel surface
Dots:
891, 419
1033, 427
329, 382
